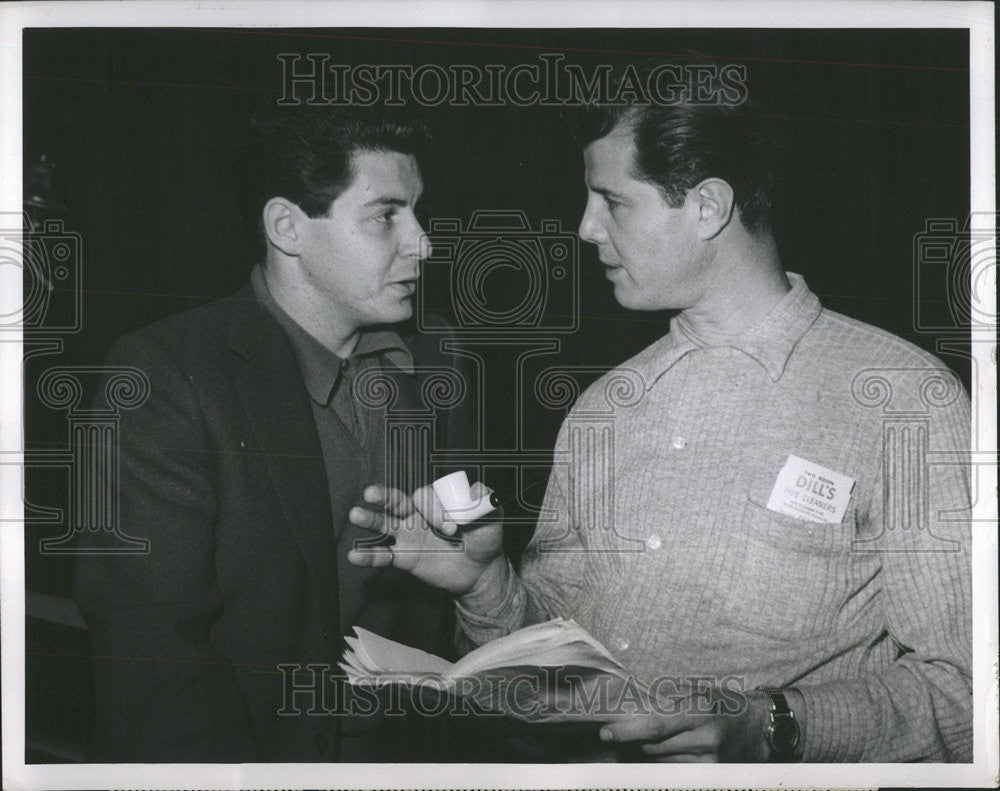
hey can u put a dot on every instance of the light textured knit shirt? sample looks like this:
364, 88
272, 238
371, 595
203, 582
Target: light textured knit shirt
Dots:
655, 533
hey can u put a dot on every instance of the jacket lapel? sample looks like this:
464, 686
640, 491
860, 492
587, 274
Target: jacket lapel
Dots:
277, 408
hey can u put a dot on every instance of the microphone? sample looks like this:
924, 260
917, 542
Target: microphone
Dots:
456, 496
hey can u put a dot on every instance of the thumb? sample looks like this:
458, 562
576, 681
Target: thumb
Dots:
648, 728
479, 490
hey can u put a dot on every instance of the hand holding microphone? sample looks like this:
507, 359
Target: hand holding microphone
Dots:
424, 531
460, 506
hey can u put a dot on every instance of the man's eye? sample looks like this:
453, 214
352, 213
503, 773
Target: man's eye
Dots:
385, 217
611, 202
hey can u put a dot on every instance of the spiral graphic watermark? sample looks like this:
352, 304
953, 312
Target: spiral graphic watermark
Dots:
912, 404
92, 456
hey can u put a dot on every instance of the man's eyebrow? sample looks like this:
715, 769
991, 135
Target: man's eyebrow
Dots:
608, 193
386, 200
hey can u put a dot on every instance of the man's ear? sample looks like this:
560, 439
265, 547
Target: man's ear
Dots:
715, 200
281, 225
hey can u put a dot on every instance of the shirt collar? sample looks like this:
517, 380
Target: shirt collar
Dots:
321, 368
770, 343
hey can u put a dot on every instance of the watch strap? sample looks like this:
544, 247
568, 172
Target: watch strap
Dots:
780, 710
779, 703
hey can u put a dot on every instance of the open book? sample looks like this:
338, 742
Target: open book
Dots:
548, 672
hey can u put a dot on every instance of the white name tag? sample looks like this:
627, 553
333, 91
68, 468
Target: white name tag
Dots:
808, 491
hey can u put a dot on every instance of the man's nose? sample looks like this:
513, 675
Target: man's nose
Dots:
590, 230
417, 244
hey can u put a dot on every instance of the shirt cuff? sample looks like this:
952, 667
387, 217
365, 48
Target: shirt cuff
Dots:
504, 617
835, 716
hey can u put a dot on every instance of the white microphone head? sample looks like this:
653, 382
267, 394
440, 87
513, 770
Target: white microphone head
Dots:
456, 497
454, 491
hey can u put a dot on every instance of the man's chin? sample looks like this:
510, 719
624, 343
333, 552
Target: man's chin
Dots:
631, 299
627, 298
398, 312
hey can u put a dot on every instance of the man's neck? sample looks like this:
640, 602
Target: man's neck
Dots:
741, 291
311, 313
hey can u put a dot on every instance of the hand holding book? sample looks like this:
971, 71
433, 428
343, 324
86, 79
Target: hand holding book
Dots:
548, 672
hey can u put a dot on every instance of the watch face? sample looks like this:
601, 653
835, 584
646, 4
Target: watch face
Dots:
784, 734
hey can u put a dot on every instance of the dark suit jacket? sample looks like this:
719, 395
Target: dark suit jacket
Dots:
221, 469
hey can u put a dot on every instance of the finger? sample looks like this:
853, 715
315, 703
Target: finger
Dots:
707, 758
479, 489
391, 500
376, 557
448, 528
426, 501
694, 742
644, 728
367, 519
375, 494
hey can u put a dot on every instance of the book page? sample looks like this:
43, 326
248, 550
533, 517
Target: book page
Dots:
551, 644
383, 656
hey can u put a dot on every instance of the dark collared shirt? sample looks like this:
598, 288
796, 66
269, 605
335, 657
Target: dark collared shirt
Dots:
328, 379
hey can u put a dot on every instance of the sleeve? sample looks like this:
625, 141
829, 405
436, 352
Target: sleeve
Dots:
162, 693
921, 707
551, 570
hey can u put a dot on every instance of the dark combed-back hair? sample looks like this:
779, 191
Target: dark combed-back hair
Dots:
680, 143
303, 152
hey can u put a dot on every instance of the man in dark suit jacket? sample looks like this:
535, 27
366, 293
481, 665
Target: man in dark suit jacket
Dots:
221, 643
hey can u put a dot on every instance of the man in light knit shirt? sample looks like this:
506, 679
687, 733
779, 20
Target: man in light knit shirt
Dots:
769, 524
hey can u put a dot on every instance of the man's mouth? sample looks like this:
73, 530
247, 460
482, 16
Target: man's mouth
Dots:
406, 286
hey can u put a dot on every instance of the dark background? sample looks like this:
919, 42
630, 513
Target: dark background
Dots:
872, 126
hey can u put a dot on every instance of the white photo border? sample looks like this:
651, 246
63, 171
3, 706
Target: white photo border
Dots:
977, 17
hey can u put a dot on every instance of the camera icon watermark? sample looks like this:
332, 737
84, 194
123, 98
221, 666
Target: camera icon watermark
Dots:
43, 264
498, 276
953, 269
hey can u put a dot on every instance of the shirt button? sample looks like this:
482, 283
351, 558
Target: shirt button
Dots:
678, 443
654, 542
621, 644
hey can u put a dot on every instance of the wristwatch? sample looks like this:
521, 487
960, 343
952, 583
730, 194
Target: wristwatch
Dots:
782, 731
